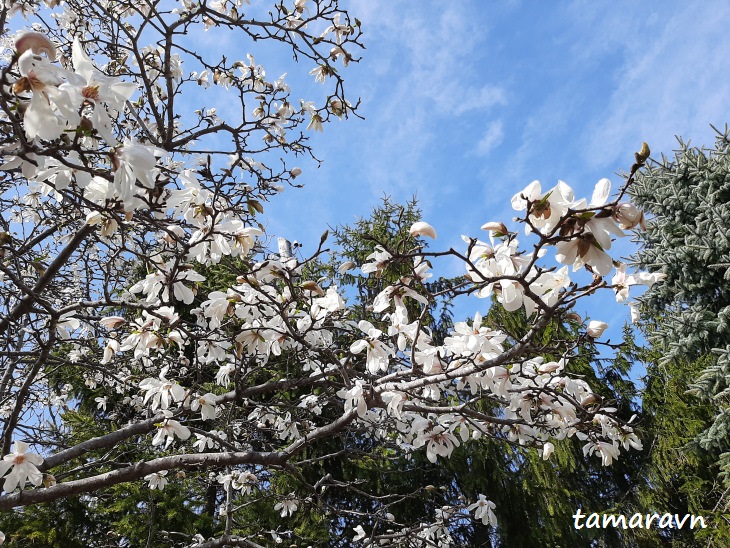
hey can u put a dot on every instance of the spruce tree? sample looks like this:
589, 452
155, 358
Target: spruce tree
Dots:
687, 200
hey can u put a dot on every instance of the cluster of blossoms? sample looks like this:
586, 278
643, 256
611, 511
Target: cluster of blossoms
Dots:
261, 368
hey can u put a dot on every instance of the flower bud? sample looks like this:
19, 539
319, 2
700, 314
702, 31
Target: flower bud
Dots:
573, 317
112, 322
643, 154
628, 216
314, 287
498, 228
344, 267
549, 367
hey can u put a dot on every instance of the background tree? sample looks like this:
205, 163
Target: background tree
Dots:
686, 397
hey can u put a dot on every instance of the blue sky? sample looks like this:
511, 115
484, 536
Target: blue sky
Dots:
467, 102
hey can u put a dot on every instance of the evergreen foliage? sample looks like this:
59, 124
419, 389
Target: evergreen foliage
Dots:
688, 238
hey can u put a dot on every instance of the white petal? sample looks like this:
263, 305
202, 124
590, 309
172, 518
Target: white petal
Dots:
601, 192
422, 228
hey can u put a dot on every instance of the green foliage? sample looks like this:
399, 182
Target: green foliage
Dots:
687, 199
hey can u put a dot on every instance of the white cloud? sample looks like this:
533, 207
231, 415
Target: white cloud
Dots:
430, 80
492, 138
675, 83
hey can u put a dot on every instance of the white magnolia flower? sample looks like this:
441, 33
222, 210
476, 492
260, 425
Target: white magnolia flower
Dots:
112, 322
169, 430
157, 480
66, 324
36, 42
287, 506
107, 223
628, 216
438, 442
608, 451
163, 392
203, 442
621, 282
206, 404
380, 258
547, 450
50, 108
635, 312
102, 97
134, 162
378, 353
484, 510
581, 250
545, 209
355, 398
24, 467
223, 377
596, 328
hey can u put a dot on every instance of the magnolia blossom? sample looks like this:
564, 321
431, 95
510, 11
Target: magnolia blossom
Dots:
397, 293
50, 108
596, 328
203, 442
378, 353
607, 451
22, 466
438, 441
134, 162
547, 450
582, 250
102, 96
161, 391
66, 324
354, 398
206, 404
287, 506
380, 258
484, 510
157, 480
545, 209
168, 430
629, 216
38, 43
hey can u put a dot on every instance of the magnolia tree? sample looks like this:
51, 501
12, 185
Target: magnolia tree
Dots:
122, 187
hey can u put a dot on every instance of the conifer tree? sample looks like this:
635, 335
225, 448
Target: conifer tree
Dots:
687, 199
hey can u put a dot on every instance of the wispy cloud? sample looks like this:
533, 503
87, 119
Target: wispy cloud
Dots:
492, 138
673, 81
428, 82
